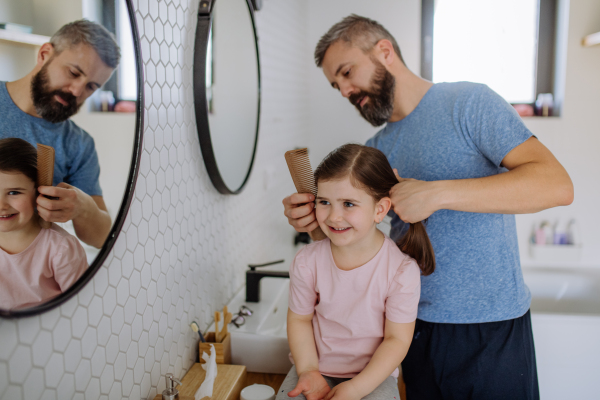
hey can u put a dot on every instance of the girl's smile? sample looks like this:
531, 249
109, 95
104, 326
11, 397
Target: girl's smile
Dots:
338, 230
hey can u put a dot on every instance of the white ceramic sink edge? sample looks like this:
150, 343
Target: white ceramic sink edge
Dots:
261, 343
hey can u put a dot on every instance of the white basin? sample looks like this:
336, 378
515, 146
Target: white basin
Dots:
261, 343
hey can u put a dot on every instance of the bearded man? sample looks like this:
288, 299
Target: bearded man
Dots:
466, 164
79, 59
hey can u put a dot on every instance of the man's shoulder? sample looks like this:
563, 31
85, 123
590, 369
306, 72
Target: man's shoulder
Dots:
460, 87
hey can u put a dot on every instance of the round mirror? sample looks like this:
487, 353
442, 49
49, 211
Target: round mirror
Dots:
227, 91
82, 99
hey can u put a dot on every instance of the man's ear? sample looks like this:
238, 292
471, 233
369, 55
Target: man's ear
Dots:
385, 51
45, 53
381, 208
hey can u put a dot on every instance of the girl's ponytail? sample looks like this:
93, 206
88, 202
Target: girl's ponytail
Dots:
416, 244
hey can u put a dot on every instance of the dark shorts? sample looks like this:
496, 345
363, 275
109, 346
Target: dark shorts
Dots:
492, 360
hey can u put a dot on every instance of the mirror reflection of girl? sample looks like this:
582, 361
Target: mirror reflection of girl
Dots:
38, 260
353, 296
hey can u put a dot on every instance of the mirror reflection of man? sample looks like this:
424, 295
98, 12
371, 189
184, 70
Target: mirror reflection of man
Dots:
471, 163
79, 59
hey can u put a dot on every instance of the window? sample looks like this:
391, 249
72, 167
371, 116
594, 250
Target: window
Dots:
122, 85
127, 74
508, 45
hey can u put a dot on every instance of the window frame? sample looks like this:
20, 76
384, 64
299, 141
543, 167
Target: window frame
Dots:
546, 44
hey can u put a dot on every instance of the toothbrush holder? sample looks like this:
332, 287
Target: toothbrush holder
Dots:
222, 349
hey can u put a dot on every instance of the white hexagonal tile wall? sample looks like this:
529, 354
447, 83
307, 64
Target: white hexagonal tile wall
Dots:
173, 261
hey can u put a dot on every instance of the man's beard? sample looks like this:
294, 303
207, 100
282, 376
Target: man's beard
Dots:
44, 102
380, 105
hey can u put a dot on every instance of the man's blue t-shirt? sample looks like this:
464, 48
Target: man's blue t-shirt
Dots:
75, 162
459, 131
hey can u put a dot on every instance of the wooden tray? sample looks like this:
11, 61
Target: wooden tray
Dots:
228, 385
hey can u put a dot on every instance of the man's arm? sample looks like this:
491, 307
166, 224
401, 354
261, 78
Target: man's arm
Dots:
88, 213
535, 181
387, 358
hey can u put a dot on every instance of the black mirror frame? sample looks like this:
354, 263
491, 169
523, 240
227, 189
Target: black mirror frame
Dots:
127, 196
200, 103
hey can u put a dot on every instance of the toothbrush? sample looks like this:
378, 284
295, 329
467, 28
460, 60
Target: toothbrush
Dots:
196, 328
217, 332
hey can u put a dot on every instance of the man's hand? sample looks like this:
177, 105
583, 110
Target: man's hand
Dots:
299, 209
88, 213
413, 200
312, 385
344, 391
69, 203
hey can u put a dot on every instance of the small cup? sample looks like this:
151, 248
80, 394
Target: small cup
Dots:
257, 392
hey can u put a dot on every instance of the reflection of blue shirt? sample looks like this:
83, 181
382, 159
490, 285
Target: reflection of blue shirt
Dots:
76, 161
459, 131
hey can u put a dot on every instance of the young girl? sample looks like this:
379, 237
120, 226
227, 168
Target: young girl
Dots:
38, 260
353, 296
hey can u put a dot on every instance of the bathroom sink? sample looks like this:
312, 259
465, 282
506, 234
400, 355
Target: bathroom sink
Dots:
261, 343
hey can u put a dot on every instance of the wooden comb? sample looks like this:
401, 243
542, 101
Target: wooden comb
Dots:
304, 179
301, 171
45, 164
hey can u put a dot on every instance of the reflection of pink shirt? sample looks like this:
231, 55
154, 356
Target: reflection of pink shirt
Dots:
45, 269
350, 307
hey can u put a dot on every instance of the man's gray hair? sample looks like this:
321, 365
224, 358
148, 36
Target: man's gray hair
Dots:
92, 34
355, 30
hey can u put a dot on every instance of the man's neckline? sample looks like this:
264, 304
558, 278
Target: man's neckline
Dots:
413, 112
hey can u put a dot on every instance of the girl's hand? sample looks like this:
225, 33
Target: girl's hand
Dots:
344, 391
312, 385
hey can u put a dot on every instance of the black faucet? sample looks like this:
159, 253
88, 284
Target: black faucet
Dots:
253, 278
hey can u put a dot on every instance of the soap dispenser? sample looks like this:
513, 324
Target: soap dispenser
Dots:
170, 393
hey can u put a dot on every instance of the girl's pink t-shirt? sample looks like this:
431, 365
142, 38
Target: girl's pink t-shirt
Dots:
350, 307
45, 269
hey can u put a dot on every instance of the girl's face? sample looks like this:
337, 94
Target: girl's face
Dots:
347, 215
17, 201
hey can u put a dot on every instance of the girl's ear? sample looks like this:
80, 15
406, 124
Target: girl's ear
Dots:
381, 208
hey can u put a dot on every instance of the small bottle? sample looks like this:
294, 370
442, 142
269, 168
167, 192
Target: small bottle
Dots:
170, 393
573, 233
560, 233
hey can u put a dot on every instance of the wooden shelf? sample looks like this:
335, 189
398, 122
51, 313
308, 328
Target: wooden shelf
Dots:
591, 40
23, 38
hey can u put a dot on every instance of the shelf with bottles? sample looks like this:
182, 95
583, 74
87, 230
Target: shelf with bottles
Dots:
558, 242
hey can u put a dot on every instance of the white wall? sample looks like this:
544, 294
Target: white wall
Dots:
50, 15
183, 248
16, 58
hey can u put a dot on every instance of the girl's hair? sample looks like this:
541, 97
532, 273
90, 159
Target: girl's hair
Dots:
368, 169
17, 155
